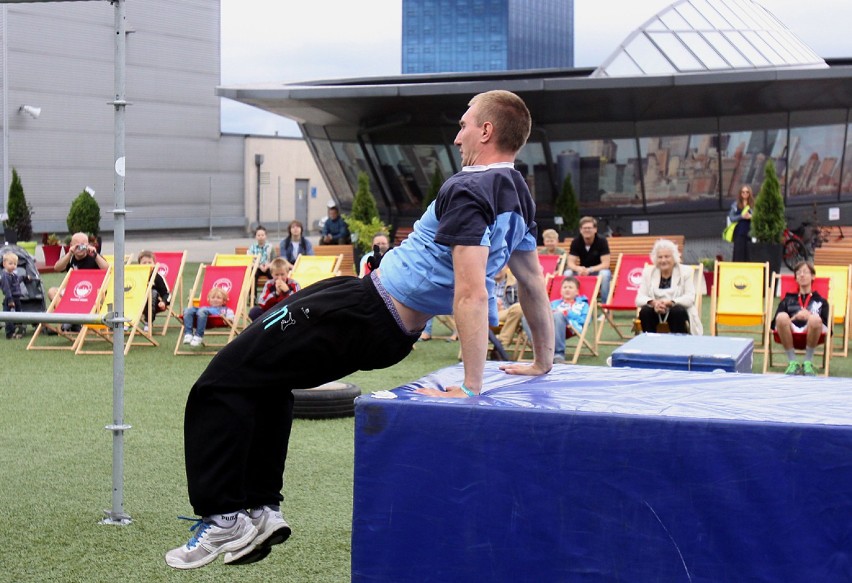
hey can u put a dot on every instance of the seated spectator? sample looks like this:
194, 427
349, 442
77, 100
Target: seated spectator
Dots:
295, 243
81, 255
334, 231
569, 316
380, 241
666, 296
589, 255
278, 288
805, 311
160, 293
195, 319
550, 238
263, 250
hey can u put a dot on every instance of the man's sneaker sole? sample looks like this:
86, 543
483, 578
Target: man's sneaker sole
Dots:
260, 547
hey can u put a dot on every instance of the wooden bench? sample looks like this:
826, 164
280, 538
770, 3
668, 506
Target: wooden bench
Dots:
833, 255
633, 245
347, 267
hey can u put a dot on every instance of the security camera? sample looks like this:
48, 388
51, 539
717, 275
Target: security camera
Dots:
29, 109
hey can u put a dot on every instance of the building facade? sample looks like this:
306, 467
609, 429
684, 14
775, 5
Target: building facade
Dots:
440, 36
59, 58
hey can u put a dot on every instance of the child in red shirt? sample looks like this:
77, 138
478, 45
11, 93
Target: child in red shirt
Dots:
276, 289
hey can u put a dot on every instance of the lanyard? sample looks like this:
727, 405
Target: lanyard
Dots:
806, 302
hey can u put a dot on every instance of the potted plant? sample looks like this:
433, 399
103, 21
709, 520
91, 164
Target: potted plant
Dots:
768, 222
567, 208
85, 215
52, 249
20, 215
364, 220
708, 265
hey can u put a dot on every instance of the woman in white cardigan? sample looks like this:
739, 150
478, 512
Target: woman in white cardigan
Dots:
667, 293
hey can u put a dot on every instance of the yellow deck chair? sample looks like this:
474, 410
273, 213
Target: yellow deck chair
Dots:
740, 299
313, 268
111, 259
841, 302
138, 280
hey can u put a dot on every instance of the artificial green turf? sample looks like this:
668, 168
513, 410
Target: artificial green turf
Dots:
57, 468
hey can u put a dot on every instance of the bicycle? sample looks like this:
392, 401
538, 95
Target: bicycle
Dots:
799, 244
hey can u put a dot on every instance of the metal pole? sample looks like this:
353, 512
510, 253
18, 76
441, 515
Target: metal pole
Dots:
279, 208
210, 237
5, 116
117, 515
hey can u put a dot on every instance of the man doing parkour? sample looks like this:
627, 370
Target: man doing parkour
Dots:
239, 412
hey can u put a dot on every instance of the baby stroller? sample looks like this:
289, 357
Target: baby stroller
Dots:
32, 288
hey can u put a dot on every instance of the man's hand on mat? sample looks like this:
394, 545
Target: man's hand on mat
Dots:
523, 368
451, 393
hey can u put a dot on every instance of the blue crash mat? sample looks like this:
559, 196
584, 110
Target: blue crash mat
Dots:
605, 474
685, 352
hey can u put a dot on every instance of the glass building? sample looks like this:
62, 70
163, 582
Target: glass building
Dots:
662, 134
440, 36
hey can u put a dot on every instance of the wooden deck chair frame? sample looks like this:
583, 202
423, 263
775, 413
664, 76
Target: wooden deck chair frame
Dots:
739, 282
310, 269
787, 283
622, 298
170, 266
841, 304
585, 339
205, 278
138, 280
253, 262
88, 285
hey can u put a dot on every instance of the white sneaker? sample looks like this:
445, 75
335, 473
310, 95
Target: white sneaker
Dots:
210, 541
196, 341
187, 338
272, 530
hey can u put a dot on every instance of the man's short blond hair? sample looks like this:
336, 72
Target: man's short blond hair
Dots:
508, 114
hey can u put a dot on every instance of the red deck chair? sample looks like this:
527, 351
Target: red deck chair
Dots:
551, 264
589, 287
81, 292
622, 297
170, 266
233, 278
788, 284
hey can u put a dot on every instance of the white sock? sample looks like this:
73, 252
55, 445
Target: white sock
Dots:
224, 520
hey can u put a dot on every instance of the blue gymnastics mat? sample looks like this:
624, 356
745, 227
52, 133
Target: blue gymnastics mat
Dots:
685, 352
605, 474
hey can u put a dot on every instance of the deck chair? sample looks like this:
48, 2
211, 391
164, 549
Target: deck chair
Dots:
841, 303
622, 299
138, 280
253, 262
552, 264
740, 299
313, 268
170, 266
787, 284
111, 259
219, 331
81, 292
589, 287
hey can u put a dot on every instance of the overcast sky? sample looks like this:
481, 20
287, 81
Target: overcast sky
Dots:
269, 41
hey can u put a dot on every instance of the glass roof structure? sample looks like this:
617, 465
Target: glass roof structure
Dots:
694, 36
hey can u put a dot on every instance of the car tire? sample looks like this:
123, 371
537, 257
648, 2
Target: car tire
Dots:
328, 401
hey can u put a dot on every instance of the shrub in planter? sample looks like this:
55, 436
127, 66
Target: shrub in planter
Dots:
567, 207
364, 220
19, 210
768, 221
85, 215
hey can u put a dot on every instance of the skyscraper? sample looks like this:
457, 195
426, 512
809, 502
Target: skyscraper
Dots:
443, 36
